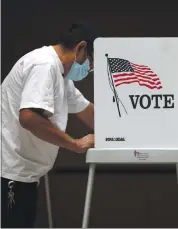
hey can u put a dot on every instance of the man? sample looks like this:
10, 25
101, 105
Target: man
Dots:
37, 96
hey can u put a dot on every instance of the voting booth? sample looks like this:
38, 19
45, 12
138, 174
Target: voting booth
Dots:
136, 104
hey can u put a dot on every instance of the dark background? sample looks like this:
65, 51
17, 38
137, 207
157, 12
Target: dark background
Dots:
124, 196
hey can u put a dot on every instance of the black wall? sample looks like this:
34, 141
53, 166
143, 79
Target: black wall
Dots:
124, 196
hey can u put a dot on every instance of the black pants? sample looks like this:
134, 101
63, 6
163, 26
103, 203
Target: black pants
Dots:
22, 213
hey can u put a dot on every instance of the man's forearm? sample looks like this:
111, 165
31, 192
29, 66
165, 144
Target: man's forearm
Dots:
43, 129
87, 116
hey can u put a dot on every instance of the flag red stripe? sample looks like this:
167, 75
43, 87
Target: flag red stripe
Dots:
136, 78
139, 65
136, 81
144, 72
135, 74
143, 69
149, 74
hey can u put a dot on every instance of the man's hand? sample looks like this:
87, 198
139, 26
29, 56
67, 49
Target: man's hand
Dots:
85, 143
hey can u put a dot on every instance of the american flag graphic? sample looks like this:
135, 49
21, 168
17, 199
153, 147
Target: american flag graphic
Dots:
126, 72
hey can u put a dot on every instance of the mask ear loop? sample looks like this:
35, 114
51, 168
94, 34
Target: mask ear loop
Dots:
90, 55
91, 70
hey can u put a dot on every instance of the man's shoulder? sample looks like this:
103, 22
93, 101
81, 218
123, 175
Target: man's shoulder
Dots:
40, 57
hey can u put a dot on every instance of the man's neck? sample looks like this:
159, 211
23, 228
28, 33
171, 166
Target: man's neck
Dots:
66, 57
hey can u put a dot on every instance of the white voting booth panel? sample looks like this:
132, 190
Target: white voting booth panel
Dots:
136, 93
136, 104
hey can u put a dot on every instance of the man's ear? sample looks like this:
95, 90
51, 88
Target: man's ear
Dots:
82, 45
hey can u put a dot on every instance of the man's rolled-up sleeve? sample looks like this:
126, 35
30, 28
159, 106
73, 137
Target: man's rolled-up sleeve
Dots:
76, 101
38, 90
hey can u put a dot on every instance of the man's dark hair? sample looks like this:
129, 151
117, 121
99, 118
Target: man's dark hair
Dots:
77, 33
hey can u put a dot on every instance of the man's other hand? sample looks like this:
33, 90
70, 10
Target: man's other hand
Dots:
85, 143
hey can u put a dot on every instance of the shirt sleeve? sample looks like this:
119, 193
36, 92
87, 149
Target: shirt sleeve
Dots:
38, 91
76, 101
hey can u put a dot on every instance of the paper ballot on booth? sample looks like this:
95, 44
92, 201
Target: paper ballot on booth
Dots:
136, 93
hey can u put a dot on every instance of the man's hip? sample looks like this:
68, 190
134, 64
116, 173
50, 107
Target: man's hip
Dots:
18, 203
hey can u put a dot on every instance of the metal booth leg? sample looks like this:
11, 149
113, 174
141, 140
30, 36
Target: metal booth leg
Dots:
48, 201
88, 195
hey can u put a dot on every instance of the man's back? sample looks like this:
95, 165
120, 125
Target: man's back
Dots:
20, 149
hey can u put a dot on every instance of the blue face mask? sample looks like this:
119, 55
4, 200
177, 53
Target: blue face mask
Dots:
79, 71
